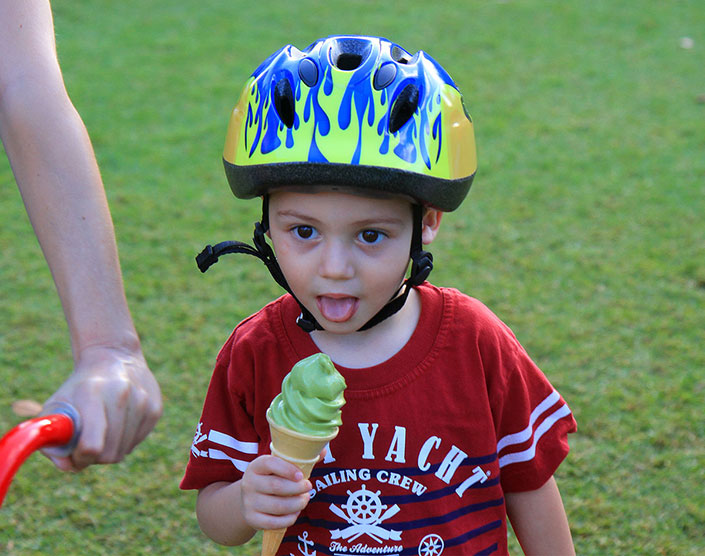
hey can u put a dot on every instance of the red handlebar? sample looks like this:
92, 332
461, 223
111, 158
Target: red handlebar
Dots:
17, 445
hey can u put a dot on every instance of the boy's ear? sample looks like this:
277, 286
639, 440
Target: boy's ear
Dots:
430, 224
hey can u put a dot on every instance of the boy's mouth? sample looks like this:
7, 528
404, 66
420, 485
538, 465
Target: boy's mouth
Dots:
337, 308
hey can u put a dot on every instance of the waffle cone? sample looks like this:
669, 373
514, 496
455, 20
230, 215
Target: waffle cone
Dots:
296, 446
303, 450
271, 539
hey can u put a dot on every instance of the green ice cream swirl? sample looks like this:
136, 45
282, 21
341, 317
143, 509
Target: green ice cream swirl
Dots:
311, 397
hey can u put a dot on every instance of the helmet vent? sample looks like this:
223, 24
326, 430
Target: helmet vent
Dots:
400, 55
348, 62
404, 107
284, 102
348, 54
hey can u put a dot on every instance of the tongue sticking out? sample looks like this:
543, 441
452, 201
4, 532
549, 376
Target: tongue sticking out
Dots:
337, 309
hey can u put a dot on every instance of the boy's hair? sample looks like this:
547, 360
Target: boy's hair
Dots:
349, 111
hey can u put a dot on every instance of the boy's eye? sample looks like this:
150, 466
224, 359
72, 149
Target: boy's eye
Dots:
304, 232
371, 236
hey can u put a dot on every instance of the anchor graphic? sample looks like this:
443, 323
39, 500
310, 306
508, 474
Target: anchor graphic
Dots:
303, 540
364, 512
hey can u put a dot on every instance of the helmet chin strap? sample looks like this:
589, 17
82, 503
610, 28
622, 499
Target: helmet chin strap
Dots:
421, 266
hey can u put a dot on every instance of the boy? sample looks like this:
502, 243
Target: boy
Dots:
356, 148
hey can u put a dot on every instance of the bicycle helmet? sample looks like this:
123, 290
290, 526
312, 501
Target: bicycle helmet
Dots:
350, 111
355, 111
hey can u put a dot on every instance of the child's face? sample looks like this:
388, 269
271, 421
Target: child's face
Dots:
343, 255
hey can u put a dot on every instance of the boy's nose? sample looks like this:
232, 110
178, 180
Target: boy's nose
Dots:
336, 261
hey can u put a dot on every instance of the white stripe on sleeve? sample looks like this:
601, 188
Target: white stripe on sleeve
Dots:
230, 442
217, 454
529, 453
523, 436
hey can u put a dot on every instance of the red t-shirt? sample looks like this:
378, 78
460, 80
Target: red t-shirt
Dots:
431, 438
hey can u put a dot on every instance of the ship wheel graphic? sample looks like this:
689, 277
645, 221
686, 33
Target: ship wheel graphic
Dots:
364, 512
431, 545
364, 506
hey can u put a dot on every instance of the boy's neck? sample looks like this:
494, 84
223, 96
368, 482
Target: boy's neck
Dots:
374, 346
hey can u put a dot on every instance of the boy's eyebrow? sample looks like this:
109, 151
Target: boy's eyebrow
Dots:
295, 215
392, 220
383, 220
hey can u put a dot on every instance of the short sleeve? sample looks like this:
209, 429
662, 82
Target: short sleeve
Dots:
531, 418
226, 440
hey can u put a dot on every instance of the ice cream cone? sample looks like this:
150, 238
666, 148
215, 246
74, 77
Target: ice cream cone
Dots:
303, 450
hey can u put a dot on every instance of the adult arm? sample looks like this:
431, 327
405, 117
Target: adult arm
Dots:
539, 521
52, 159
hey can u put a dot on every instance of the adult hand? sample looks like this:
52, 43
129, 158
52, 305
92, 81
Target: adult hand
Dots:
118, 401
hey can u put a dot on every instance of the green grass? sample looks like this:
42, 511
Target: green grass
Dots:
583, 231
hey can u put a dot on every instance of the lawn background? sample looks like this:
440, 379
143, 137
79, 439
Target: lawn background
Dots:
583, 231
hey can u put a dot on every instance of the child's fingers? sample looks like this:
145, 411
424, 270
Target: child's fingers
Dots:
272, 465
272, 522
270, 499
284, 507
286, 469
278, 486
264, 511
273, 476
274, 492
